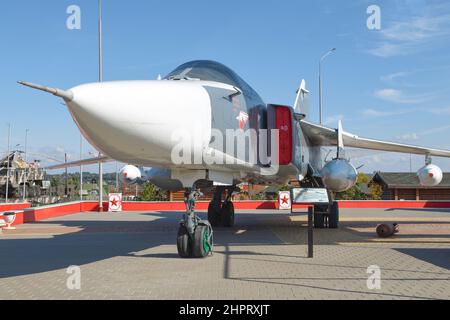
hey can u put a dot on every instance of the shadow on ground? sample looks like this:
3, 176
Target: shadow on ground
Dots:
96, 239
89, 241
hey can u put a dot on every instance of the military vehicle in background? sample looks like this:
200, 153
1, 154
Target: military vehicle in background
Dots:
20, 173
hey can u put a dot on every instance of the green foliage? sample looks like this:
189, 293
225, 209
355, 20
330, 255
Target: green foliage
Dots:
355, 193
259, 196
363, 178
54, 181
150, 193
74, 181
376, 191
262, 196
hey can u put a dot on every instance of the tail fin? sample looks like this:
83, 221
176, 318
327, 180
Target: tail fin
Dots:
302, 102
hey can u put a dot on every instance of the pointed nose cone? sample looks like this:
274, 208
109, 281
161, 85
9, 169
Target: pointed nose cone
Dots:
135, 120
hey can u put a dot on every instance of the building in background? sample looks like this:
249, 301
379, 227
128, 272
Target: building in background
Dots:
406, 186
21, 173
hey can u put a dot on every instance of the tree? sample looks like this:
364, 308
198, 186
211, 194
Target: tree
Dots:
355, 193
149, 193
259, 196
54, 182
376, 191
74, 180
363, 178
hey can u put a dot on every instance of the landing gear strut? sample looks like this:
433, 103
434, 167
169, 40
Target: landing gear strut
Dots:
221, 214
195, 236
327, 215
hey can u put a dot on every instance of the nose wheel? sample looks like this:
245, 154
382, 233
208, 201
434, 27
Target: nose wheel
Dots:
195, 236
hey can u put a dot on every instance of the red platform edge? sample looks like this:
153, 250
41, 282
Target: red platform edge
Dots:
14, 206
25, 214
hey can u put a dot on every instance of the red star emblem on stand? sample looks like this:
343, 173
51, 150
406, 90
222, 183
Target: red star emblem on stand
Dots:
114, 202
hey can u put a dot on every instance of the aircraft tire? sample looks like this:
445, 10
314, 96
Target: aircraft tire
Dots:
214, 214
228, 215
319, 220
183, 243
201, 246
333, 219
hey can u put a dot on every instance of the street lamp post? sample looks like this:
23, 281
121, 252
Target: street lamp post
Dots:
321, 84
100, 79
66, 183
8, 165
26, 160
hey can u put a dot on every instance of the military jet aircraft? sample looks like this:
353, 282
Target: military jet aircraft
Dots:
202, 126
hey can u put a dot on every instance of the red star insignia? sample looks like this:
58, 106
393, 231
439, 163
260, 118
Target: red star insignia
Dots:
285, 200
114, 202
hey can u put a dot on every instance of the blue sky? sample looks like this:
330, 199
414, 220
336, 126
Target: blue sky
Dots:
389, 84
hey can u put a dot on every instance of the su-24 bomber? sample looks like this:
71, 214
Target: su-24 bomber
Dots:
181, 127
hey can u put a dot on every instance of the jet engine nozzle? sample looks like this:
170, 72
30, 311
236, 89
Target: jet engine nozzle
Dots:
130, 174
430, 175
339, 175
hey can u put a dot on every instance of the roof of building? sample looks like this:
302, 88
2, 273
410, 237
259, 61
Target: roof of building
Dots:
407, 180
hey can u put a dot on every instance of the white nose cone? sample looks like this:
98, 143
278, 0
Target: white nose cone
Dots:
134, 121
430, 175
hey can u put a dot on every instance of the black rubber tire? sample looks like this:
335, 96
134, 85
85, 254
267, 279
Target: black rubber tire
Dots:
201, 248
227, 215
333, 218
214, 214
385, 230
320, 216
183, 243
319, 220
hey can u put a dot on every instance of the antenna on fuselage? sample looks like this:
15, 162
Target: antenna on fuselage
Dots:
301, 104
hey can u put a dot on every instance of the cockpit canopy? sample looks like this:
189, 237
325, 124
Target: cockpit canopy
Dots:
211, 71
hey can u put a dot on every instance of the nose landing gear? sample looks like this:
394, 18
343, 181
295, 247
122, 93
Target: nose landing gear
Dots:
195, 236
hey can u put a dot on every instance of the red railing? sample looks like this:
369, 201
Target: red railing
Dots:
25, 214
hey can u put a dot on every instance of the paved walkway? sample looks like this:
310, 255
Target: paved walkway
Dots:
133, 256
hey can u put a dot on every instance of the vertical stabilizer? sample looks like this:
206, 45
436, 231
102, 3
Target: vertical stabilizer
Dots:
301, 102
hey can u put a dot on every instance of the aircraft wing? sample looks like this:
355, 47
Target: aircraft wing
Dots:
85, 162
322, 136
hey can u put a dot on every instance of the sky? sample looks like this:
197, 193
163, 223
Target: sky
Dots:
390, 84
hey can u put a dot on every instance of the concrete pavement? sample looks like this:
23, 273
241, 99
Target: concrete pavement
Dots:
134, 256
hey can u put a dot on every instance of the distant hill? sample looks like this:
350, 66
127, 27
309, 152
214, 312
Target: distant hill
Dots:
88, 177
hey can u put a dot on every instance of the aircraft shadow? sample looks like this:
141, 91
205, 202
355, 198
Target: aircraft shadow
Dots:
92, 240
438, 256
